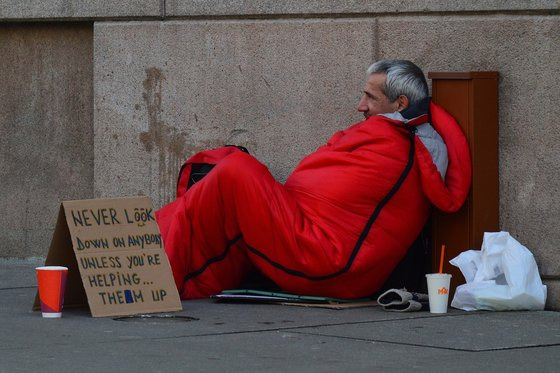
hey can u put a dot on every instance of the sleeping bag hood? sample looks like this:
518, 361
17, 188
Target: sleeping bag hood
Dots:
449, 190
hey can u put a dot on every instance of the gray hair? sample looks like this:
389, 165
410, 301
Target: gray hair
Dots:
403, 78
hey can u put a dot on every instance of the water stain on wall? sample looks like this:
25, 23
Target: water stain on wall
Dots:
169, 146
166, 142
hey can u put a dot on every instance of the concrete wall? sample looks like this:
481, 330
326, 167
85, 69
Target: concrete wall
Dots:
46, 127
174, 77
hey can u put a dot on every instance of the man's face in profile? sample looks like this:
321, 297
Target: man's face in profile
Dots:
373, 100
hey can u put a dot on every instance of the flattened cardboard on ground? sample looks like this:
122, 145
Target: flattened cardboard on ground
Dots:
115, 257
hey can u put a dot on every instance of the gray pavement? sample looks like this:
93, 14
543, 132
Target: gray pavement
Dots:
258, 337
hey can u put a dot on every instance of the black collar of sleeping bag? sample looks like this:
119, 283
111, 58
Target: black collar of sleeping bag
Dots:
420, 108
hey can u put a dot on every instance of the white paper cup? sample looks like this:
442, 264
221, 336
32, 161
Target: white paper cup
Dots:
438, 291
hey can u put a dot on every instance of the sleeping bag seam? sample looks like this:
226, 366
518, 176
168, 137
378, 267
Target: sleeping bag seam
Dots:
365, 231
357, 246
218, 258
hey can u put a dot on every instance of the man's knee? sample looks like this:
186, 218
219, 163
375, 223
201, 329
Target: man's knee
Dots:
238, 167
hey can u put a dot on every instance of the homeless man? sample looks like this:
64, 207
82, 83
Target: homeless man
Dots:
346, 215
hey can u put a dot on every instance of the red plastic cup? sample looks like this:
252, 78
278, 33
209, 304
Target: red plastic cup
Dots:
52, 283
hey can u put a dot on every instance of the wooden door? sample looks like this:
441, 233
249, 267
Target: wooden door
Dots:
472, 98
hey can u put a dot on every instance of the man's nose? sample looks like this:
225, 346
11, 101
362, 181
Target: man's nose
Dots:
362, 107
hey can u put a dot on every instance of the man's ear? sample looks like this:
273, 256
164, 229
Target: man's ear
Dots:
402, 102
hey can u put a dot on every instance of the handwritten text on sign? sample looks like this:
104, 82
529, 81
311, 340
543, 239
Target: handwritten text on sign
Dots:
120, 256
100, 217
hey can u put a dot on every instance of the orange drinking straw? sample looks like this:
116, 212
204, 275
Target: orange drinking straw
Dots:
441, 258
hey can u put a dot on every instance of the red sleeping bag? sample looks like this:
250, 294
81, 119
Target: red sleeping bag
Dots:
338, 226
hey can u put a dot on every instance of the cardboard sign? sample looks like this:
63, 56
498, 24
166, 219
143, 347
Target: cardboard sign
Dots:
114, 253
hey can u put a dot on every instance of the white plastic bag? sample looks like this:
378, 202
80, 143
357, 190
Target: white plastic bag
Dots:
503, 275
